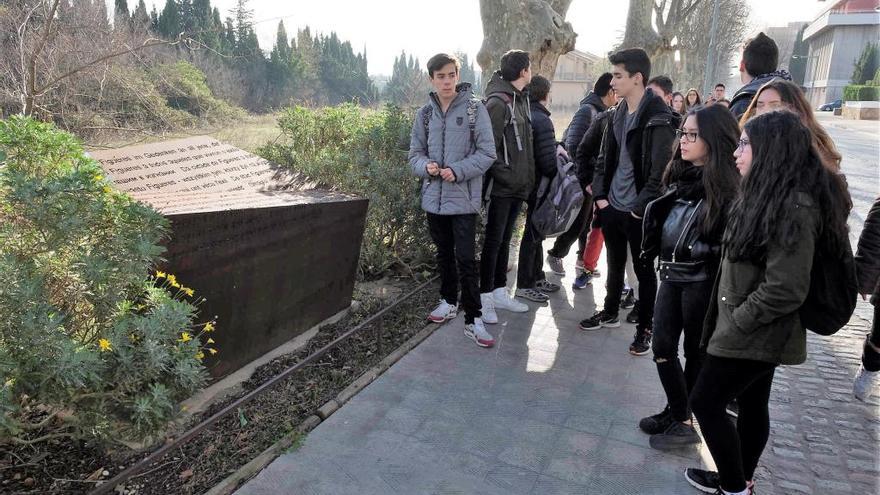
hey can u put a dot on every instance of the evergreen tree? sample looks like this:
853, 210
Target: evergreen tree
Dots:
120, 15
169, 23
797, 65
140, 19
867, 64
409, 84
154, 19
243, 26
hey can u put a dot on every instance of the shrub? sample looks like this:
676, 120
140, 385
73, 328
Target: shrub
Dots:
91, 346
362, 152
185, 88
857, 92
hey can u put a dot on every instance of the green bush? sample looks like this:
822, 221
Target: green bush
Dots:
91, 345
857, 92
185, 88
363, 152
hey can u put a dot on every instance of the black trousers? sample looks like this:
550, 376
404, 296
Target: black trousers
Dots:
680, 307
496, 243
455, 238
578, 231
870, 357
621, 229
735, 449
531, 257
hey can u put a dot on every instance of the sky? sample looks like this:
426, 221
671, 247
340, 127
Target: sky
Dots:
385, 27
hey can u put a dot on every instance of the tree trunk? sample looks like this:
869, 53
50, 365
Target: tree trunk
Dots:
536, 26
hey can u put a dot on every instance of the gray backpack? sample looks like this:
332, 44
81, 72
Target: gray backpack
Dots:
560, 199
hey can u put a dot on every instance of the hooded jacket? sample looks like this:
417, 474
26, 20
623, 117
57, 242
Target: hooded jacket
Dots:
868, 255
743, 96
449, 143
649, 143
513, 173
590, 107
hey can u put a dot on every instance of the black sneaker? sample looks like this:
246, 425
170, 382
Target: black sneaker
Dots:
657, 423
599, 320
629, 300
641, 342
633, 316
677, 435
705, 481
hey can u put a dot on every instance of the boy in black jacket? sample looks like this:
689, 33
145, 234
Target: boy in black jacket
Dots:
636, 148
530, 281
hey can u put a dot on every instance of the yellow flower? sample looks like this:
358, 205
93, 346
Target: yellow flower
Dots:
10, 382
160, 274
104, 344
99, 177
210, 340
108, 189
173, 280
200, 355
184, 337
212, 350
188, 291
209, 327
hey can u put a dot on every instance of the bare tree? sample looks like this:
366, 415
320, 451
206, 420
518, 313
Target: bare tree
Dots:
536, 26
49, 41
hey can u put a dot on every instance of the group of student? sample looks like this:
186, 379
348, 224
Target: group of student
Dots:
724, 204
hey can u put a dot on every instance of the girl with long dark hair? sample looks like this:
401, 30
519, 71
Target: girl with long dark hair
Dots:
684, 227
788, 204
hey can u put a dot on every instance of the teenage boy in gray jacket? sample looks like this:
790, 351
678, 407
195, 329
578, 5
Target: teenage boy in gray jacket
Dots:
451, 147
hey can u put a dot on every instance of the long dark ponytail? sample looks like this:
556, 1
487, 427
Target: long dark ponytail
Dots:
784, 164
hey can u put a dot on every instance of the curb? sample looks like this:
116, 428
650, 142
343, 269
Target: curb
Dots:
234, 481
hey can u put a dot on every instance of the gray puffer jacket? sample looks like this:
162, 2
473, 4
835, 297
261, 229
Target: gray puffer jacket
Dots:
448, 142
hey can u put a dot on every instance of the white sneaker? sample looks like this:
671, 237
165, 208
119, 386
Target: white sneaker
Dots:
488, 303
476, 331
865, 382
443, 312
504, 301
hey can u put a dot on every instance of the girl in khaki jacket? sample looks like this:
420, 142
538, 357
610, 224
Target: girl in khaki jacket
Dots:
786, 200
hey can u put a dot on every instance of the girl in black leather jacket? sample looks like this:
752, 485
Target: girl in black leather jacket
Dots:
683, 228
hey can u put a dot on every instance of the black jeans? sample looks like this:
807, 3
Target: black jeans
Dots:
681, 306
870, 357
531, 258
621, 229
578, 231
735, 449
455, 238
496, 243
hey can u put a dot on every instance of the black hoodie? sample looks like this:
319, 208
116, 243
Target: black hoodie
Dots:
649, 143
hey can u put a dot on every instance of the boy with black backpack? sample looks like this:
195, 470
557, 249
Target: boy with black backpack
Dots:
531, 283
451, 148
511, 178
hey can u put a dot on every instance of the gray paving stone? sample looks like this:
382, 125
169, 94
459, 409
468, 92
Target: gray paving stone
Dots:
554, 410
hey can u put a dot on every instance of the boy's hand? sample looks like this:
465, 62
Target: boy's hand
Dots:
433, 169
447, 174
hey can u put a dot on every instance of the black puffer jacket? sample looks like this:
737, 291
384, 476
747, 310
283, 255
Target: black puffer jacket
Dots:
587, 152
590, 107
650, 147
868, 255
544, 138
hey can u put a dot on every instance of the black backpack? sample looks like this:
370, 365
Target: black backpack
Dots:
833, 292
